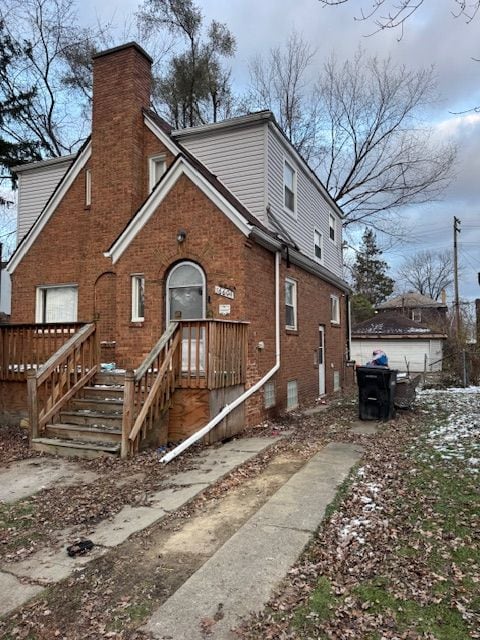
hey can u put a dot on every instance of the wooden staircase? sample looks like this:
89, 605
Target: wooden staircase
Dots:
90, 425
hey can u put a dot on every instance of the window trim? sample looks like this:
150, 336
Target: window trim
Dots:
88, 187
333, 320
315, 257
291, 212
135, 279
418, 313
204, 285
152, 162
40, 301
293, 327
331, 218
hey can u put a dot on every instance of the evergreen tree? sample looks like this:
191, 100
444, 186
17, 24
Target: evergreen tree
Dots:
195, 88
370, 277
13, 104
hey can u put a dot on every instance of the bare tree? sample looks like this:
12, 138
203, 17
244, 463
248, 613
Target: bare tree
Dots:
377, 155
393, 14
280, 83
46, 30
427, 272
360, 125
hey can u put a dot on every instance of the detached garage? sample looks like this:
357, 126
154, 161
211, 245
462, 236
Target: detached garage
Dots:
408, 344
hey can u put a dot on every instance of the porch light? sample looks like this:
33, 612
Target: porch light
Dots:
181, 235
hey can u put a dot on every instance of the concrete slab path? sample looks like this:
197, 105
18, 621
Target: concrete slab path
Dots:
26, 477
241, 576
51, 565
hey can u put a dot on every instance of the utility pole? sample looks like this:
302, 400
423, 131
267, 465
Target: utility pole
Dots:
456, 231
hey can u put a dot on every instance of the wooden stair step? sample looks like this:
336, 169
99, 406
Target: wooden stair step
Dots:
92, 418
70, 448
99, 405
79, 432
110, 378
104, 392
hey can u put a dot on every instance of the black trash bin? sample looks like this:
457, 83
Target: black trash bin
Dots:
376, 393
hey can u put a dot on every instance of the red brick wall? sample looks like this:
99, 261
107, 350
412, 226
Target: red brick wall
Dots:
71, 246
212, 241
297, 347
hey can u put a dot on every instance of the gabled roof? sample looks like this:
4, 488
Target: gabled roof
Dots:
61, 189
394, 325
265, 116
411, 300
181, 166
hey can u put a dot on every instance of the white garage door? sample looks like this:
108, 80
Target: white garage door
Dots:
401, 352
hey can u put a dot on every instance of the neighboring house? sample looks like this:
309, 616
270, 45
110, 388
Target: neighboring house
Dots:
146, 226
408, 344
419, 308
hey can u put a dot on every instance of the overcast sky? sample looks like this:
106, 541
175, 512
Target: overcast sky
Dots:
432, 37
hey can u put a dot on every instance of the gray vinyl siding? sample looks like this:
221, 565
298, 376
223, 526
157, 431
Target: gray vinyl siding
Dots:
312, 210
237, 158
35, 186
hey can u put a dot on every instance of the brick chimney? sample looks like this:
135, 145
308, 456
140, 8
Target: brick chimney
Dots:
121, 89
444, 296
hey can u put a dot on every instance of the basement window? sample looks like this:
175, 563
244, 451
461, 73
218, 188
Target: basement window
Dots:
156, 168
138, 298
292, 394
56, 303
269, 395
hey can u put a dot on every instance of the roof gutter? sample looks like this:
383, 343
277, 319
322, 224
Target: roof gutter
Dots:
244, 396
274, 244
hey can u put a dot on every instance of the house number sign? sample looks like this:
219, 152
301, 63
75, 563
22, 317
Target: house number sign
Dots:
223, 291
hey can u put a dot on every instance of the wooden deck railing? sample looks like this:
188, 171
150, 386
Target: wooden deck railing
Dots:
191, 354
214, 354
65, 372
28, 346
149, 389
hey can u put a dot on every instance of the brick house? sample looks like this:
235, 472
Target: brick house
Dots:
210, 256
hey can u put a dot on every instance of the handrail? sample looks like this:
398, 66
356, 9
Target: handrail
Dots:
155, 388
61, 377
149, 360
53, 361
148, 391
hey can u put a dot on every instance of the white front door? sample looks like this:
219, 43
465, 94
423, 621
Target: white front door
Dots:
321, 360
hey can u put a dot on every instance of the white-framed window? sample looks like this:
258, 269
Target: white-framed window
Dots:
269, 395
290, 304
332, 228
417, 315
318, 245
186, 292
292, 394
138, 298
156, 168
289, 187
56, 303
88, 187
335, 306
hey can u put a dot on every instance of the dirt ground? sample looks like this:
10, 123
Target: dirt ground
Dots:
114, 595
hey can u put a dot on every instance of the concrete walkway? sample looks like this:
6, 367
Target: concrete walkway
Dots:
22, 580
241, 576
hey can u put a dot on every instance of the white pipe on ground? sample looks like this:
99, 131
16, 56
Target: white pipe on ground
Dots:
258, 385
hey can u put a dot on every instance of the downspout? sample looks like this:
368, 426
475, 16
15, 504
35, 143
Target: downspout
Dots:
258, 385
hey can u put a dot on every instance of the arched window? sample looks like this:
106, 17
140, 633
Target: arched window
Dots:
186, 299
